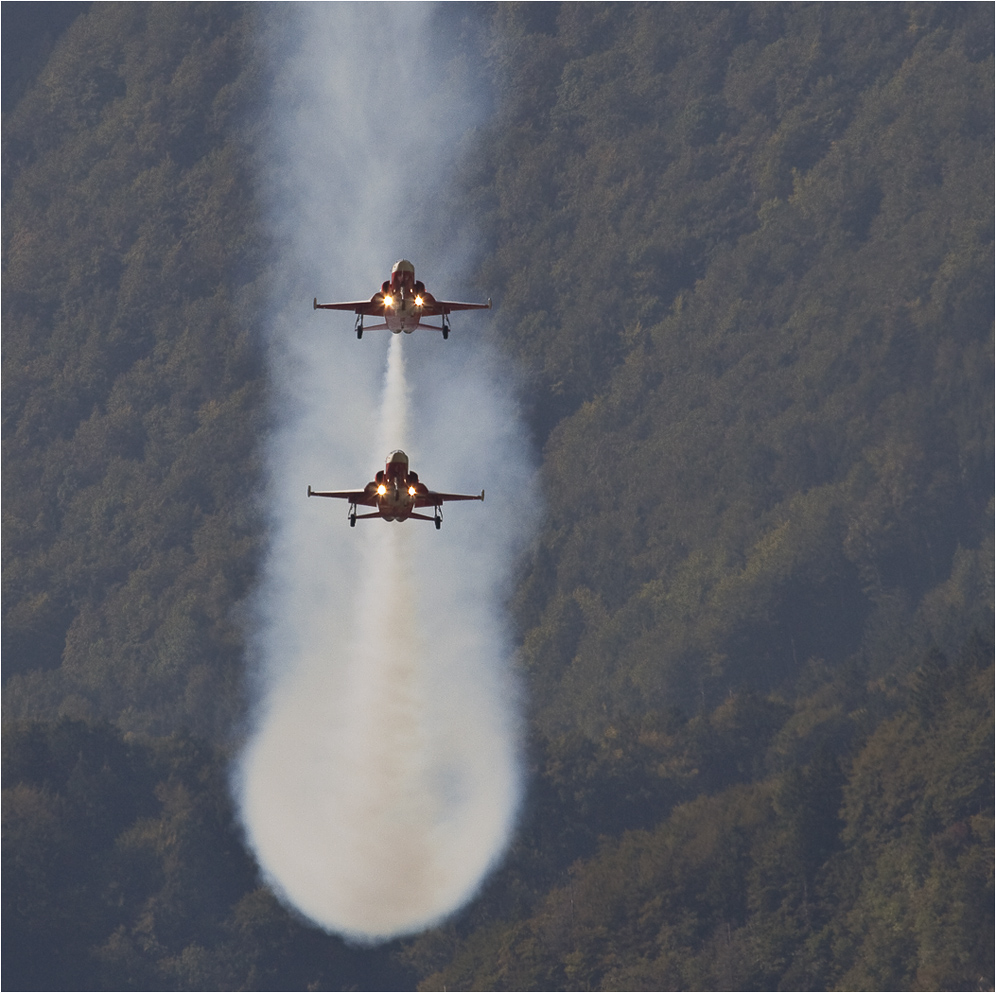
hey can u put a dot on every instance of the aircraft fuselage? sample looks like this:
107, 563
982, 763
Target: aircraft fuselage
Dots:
404, 299
395, 489
402, 312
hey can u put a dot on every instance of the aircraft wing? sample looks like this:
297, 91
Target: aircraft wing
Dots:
431, 499
370, 308
448, 306
353, 496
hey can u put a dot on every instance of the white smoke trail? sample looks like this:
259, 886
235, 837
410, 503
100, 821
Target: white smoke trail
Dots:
380, 781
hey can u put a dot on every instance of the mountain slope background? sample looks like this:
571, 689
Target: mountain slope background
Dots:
742, 256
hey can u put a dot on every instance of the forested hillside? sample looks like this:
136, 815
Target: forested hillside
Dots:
742, 256
758, 301
746, 255
132, 381
133, 400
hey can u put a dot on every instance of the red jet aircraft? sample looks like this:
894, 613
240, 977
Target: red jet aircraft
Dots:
402, 302
395, 492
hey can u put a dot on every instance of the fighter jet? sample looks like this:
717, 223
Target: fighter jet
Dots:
402, 302
395, 492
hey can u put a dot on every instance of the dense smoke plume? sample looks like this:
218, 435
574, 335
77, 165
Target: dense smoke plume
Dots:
380, 779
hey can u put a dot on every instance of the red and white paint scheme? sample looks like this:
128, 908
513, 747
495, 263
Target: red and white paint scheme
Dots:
402, 303
396, 493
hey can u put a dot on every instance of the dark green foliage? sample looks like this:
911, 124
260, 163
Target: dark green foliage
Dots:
124, 869
744, 255
785, 453
29, 35
132, 397
867, 874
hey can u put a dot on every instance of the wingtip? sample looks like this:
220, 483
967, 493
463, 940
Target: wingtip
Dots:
482, 496
309, 490
489, 303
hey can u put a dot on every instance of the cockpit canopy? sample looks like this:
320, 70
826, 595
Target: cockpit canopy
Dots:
402, 273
